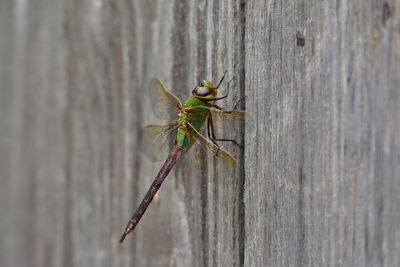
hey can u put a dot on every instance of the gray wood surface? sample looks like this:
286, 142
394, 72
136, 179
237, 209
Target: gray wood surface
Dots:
322, 181
317, 185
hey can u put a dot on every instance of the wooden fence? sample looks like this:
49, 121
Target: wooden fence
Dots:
317, 184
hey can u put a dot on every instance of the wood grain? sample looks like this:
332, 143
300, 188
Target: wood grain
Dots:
321, 180
317, 184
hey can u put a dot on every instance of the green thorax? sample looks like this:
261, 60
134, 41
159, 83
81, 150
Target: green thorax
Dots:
194, 112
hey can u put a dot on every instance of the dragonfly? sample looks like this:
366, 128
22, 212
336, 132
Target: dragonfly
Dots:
186, 118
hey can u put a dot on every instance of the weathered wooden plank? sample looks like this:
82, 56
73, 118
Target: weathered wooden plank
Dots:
32, 100
322, 148
74, 87
200, 220
321, 180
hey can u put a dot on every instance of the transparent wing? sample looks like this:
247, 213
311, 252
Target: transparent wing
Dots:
228, 123
215, 151
158, 140
164, 103
236, 113
231, 119
224, 116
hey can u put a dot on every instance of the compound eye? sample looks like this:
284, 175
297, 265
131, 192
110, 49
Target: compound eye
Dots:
201, 83
203, 91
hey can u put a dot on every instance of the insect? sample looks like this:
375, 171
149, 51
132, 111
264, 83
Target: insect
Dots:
185, 122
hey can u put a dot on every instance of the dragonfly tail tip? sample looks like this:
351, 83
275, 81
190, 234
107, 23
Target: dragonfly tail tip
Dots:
122, 238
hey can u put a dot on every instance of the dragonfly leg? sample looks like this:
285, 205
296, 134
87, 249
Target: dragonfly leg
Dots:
229, 82
220, 81
237, 103
211, 134
210, 130
225, 96
215, 106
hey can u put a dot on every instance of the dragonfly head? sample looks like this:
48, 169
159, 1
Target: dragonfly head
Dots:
205, 90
